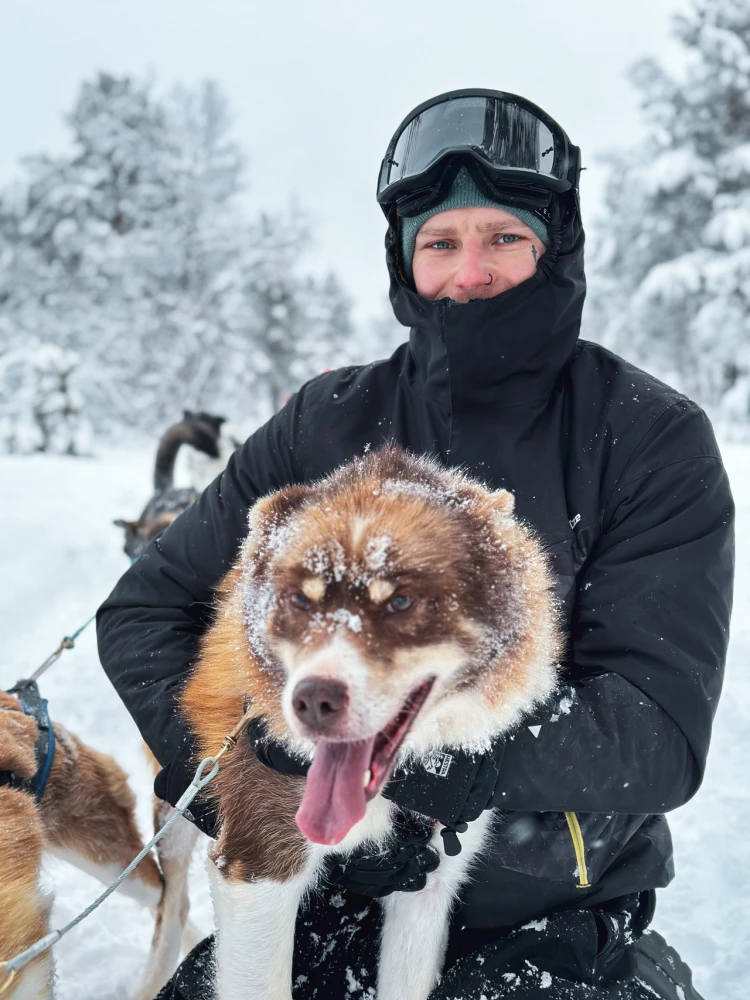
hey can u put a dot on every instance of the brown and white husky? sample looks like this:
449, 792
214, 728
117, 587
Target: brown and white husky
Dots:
86, 816
389, 610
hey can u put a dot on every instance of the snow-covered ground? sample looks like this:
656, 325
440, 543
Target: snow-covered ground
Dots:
62, 556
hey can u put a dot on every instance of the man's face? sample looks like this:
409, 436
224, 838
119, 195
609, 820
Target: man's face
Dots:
473, 253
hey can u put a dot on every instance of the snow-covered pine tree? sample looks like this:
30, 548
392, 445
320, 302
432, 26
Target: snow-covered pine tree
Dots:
40, 405
72, 239
299, 325
329, 342
187, 264
670, 273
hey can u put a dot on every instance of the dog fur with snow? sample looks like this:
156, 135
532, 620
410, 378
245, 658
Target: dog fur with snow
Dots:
86, 816
389, 610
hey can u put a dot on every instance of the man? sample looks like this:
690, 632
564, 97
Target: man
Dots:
620, 474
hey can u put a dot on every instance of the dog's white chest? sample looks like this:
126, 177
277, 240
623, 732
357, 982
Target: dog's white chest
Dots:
256, 920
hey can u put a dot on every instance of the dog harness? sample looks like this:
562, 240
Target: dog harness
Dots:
32, 704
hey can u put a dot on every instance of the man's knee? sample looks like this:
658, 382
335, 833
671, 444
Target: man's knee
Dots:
661, 969
194, 978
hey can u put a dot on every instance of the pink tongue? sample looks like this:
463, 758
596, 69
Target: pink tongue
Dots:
334, 798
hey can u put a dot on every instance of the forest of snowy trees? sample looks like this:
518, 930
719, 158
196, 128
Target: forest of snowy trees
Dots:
133, 283
671, 285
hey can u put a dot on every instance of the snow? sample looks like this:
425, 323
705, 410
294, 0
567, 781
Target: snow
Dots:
342, 616
62, 555
536, 925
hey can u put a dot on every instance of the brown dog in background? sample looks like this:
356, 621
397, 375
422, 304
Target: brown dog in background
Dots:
86, 816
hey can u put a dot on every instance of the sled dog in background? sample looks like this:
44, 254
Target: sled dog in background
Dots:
84, 813
201, 467
202, 431
390, 610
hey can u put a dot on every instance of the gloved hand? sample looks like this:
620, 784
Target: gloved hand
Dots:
402, 867
452, 787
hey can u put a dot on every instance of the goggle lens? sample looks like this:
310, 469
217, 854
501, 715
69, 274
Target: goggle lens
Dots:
502, 133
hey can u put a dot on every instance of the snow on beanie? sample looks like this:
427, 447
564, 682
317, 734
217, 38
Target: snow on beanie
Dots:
463, 194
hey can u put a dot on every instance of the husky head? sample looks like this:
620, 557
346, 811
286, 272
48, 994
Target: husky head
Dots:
394, 607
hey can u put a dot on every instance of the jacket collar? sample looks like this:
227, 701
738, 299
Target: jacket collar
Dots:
503, 351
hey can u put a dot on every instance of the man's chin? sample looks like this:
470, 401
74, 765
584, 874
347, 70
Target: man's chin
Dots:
463, 298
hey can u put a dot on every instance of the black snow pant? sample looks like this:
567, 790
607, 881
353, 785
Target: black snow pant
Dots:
567, 955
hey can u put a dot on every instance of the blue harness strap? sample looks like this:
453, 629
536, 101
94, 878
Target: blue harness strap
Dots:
48, 757
33, 705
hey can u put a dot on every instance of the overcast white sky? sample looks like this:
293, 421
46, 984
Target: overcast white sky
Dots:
318, 86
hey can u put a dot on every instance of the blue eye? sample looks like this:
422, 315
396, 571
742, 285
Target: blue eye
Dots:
299, 601
509, 238
400, 603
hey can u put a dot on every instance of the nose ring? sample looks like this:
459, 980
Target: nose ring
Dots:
490, 281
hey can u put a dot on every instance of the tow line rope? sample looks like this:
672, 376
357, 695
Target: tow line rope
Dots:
67, 642
13, 966
26, 691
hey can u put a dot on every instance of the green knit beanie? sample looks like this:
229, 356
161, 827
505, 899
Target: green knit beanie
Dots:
463, 194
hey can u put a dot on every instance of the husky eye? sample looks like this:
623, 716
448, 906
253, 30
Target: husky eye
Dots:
299, 601
400, 603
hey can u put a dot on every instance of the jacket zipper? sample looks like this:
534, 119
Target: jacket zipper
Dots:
578, 846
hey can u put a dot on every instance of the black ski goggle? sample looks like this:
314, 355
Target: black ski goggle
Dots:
515, 145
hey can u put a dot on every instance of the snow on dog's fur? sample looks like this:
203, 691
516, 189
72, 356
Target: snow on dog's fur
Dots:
391, 609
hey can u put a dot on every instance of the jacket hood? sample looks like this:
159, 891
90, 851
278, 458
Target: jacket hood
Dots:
508, 349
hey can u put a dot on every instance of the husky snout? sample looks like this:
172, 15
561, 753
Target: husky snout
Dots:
320, 703
331, 694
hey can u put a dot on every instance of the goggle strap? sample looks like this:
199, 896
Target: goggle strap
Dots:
533, 198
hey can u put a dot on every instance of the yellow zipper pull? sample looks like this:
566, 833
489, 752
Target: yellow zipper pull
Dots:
578, 846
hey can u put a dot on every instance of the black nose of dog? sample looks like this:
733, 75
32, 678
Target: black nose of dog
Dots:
320, 702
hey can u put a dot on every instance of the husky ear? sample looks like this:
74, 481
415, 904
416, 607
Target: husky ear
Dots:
272, 512
503, 502
125, 524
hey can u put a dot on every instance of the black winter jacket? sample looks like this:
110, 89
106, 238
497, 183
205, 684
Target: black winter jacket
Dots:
622, 477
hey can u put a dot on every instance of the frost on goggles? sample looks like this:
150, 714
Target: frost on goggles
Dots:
503, 133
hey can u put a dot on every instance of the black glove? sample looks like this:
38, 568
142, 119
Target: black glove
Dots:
170, 784
403, 866
272, 754
452, 787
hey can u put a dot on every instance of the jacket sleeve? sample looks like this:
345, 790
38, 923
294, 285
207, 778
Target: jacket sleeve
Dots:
629, 731
150, 626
